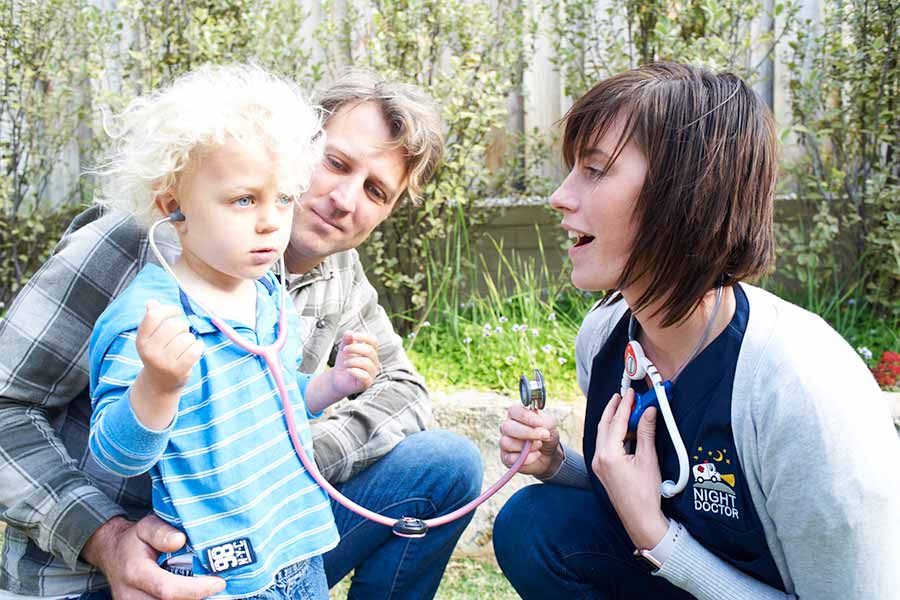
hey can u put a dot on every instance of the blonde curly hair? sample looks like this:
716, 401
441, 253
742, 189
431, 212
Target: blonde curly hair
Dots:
156, 136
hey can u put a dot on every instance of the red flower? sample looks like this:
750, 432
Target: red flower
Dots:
887, 371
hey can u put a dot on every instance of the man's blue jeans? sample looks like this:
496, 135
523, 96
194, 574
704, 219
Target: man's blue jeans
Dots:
554, 541
427, 474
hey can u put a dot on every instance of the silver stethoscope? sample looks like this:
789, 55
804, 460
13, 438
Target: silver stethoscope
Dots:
532, 393
638, 366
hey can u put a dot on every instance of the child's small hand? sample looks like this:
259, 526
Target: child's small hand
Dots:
356, 365
167, 348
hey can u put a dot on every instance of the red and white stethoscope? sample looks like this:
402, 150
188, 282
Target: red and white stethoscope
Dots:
532, 392
637, 367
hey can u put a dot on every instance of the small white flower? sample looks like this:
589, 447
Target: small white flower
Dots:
498, 329
517, 328
561, 360
486, 327
865, 353
486, 333
535, 333
462, 304
551, 316
411, 334
426, 324
851, 301
467, 340
503, 319
546, 348
510, 360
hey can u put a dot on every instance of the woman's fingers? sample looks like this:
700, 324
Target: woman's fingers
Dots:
619, 425
524, 432
515, 445
508, 457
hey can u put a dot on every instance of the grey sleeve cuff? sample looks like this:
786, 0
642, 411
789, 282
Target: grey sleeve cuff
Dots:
571, 472
74, 519
695, 569
663, 550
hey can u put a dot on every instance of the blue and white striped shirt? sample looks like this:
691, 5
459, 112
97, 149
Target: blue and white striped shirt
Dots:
224, 471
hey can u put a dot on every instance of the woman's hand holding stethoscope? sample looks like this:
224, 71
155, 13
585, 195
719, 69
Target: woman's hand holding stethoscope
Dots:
523, 424
632, 481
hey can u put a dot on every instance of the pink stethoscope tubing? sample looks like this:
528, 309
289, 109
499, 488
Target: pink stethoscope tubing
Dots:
270, 355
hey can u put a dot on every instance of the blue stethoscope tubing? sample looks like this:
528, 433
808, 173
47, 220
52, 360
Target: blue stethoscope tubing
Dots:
403, 527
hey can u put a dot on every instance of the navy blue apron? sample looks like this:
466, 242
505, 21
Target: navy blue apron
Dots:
715, 506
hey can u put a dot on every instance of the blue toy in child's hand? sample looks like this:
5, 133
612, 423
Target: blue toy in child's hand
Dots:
644, 401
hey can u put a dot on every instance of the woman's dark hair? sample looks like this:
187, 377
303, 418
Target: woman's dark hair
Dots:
704, 213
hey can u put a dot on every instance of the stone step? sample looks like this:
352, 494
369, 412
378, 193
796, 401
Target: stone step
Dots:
477, 415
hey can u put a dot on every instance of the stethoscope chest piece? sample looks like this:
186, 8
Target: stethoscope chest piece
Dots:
533, 392
410, 527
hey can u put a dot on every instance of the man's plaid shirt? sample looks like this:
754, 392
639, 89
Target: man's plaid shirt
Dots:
53, 495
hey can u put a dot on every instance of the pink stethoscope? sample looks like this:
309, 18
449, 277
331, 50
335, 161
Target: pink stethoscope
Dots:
532, 393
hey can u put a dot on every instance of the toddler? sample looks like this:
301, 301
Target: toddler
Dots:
223, 152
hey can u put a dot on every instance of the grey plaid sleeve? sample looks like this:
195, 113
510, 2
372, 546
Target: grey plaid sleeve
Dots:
357, 432
43, 370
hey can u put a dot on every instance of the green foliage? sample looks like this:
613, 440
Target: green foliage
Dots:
168, 38
844, 91
468, 55
44, 102
483, 335
591, 44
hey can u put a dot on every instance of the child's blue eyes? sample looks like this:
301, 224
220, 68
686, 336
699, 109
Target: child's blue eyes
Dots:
283, 200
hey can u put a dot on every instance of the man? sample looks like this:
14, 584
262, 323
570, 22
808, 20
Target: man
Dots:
67, 528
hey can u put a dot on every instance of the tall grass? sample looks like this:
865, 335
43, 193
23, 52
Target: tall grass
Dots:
485, 325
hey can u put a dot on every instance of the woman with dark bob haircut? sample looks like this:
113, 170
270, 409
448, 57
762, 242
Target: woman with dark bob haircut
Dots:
773, 472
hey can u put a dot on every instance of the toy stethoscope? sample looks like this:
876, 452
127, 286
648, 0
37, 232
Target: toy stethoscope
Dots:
532, 393
638, 366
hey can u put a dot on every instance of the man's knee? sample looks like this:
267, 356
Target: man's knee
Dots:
449, 464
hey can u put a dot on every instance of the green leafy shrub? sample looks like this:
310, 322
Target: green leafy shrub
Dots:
844, 90
468, 55
49, 54
519, 318
167, 38
590, 44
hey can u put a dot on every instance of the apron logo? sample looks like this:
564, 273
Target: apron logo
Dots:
714, 490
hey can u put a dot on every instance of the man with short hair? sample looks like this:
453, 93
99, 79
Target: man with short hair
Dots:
70, 524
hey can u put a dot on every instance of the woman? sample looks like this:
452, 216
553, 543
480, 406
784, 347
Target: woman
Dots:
791, 457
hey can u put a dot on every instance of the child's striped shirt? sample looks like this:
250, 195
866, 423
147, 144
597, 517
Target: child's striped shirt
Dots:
224, 471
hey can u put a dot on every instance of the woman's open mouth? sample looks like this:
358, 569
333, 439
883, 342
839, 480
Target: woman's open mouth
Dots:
581, 239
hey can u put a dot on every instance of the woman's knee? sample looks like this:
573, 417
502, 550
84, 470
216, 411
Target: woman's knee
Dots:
512, 532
